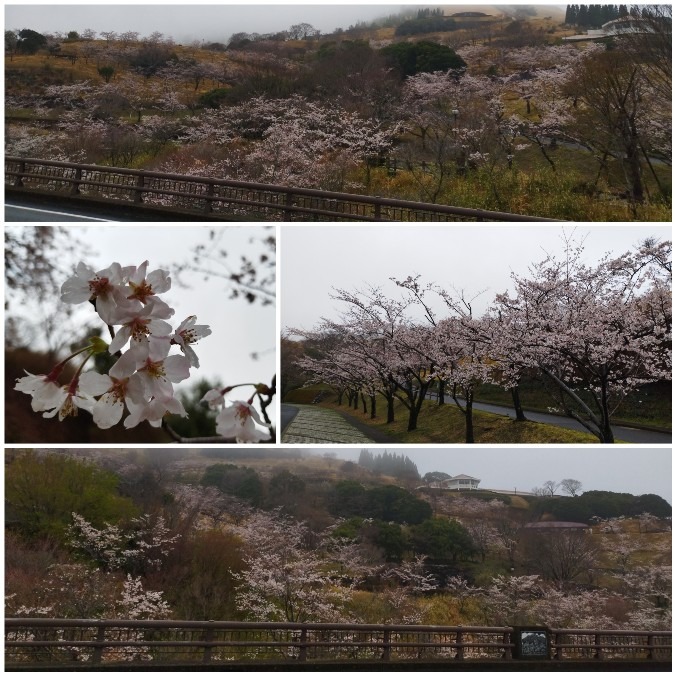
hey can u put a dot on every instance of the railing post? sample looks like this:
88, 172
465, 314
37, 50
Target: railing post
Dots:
289, 202
18, 180
558, 648
98, 650
508, 649
210, 190
460, 646
598, 647
75, 187
650, 645
303, 645
140, 184
378, 209
208, 637
386, 642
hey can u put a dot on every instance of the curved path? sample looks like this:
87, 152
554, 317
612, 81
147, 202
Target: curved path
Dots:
626, 434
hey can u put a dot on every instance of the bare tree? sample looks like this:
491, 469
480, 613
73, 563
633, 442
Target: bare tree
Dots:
571, 486
561, 555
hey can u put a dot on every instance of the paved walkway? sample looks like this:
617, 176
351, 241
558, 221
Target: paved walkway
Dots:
313, 424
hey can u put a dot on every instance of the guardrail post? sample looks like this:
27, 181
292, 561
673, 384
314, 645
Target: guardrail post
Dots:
18, 181
460, 646
98, 650
303, 645
598, 647
386, 642
75, 188
208, 637
650, 645
140, 185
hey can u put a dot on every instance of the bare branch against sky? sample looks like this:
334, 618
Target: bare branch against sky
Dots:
469, 257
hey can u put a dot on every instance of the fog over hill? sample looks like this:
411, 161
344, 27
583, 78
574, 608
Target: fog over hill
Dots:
634, 471
187, 23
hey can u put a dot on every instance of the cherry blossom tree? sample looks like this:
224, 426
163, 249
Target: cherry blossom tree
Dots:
137, 548
286, 579
595, 332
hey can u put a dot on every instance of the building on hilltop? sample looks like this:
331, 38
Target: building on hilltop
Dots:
460, 482
624, 25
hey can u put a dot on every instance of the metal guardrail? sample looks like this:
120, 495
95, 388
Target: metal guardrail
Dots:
228, 199
84, 642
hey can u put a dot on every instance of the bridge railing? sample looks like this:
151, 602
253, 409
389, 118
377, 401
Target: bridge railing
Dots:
208, 642
611, 644
83, 642
228, 199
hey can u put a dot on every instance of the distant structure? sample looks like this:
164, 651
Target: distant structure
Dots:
624, 25
469, 15
460, 482
556, 525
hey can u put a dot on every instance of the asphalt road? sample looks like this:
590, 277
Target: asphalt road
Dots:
627, 434
22, 214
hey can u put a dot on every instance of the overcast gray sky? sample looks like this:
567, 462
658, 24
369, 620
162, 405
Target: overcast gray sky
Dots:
473, 258
186, 22
239, 328
617, 469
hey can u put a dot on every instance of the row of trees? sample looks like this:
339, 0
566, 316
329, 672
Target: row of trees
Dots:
592, 332
391, 464
203, 559
593, 16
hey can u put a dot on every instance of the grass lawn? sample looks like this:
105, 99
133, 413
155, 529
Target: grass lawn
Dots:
445, 424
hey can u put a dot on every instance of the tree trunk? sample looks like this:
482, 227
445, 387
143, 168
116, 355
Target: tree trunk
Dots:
413, 413
441, 392
517, 406
468, 414
363, 402
390, 408
606, 427
373, 413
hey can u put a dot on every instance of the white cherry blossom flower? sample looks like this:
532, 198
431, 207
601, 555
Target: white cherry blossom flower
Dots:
114, 391
44, 389
239, 420
153, 411
187, 334
145, 286
138, 322
102, 286
69, 401
215, 398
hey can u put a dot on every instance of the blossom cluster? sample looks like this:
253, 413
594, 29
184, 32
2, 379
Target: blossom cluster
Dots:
238, 419
142, 378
